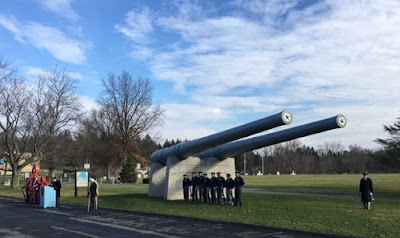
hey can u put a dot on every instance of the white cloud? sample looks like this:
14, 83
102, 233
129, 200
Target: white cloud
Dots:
137, 27
33, 72
48, 38
60, 7
327, 58
88, 104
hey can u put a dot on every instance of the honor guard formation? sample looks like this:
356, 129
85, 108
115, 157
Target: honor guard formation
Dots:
214, 190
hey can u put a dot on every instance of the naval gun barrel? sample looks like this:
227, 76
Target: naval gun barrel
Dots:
238, 147
186, 149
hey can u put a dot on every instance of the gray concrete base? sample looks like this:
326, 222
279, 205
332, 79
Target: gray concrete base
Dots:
157, 180
177, 168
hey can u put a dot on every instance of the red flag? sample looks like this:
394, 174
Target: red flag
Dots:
34, 171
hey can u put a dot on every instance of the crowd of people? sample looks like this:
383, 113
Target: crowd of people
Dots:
32, 188
214, 190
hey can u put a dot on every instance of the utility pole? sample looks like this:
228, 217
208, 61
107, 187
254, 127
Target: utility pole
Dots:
262, 165
244, 163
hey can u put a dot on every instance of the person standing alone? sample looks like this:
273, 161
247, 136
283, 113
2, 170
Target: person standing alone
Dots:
366, 190
93, 193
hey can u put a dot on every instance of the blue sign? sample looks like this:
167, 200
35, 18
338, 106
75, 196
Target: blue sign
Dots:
2, 160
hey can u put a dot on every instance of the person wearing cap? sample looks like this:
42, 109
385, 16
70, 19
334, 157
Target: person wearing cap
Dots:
201, 186
366, 190
93, 193
229, 184
195, 187
56, 184
206, 188
239, 182
220, 189
213, 188
186, 185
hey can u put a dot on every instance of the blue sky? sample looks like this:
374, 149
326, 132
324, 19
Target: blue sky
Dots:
218, 64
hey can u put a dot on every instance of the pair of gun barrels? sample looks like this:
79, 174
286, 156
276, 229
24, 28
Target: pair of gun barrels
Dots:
223, 144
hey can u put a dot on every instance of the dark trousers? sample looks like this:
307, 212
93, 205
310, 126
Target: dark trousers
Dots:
201, 194
186, 193
229, 196
213, 195
220, 195
195, 191
57, 201
27, 195
238, 196
93, 203
206, 192
37, 196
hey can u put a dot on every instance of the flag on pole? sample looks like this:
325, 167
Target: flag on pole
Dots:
34, 171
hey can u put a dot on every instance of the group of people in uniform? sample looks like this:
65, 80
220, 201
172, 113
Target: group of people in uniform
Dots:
214, 190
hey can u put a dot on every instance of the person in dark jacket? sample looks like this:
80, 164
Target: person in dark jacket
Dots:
56, 184
206, 188
195, 187
220, 188
93, 193
239, 182
213, 188
229, 184
201, 186
366, 190
186, 186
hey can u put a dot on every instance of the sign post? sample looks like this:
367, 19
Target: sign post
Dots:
81, 180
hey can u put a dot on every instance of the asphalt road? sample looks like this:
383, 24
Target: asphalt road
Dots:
19, 219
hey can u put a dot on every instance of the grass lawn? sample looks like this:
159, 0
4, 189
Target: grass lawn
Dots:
338, 216
383, 183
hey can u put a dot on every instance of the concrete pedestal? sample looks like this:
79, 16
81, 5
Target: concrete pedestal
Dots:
177, 168
157, 180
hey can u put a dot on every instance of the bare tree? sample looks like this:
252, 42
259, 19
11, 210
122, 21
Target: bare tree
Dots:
127, 103
61, 111
31, 117
6, 71
330, 147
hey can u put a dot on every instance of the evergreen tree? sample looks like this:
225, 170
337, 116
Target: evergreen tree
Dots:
392, 144
128, 172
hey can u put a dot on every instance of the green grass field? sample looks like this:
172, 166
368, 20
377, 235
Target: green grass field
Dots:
338, 216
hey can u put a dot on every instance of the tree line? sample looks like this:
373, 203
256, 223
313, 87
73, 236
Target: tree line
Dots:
329, 158
42, 119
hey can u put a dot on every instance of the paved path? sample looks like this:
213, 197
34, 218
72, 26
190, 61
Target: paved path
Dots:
19, 219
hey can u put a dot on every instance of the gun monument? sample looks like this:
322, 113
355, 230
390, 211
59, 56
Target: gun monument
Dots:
214, 152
